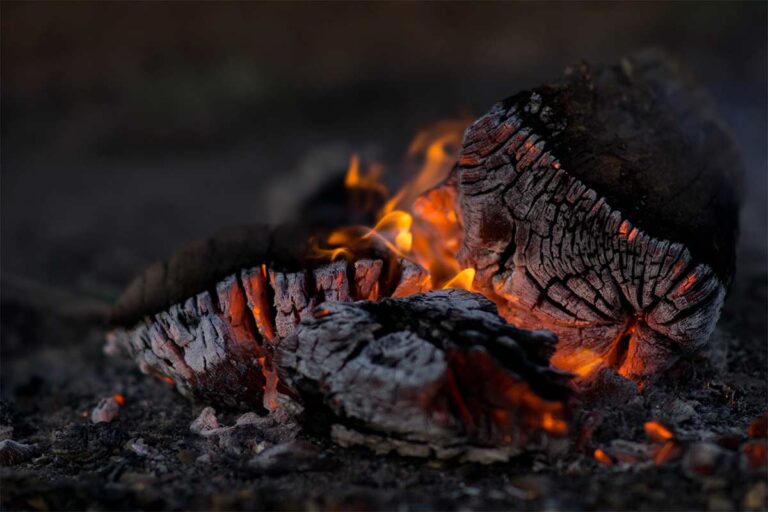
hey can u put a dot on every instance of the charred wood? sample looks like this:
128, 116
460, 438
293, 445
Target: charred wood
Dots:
437, 373
604, 207
216, 346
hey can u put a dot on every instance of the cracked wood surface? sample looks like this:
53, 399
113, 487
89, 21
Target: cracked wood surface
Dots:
216, 345
604, 207
430, 374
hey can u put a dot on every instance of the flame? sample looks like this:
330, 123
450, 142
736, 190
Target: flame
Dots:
419, 222
120, 399
365, 185
462, 280
394, 230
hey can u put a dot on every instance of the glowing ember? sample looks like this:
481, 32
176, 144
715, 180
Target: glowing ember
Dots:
602, 457
657, 432
667, 452
582, 362
759, 427
756, 453
120, 399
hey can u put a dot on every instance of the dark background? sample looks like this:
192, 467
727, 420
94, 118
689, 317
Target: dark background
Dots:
128, 128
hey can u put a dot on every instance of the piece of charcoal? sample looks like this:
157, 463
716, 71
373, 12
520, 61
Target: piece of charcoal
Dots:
604, 207
438, 373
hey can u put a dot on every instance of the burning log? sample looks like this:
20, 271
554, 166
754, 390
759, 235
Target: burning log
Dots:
604, 208
207, 319
438, 374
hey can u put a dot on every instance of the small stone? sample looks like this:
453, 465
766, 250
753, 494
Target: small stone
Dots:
186, 457
205, 422
679, 411
707, 460
607, 388
629, 452
12, 453
106, 411
290, 457
720, 503
138, 447
756, 498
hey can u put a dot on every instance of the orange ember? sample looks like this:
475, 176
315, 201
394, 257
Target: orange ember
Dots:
271, 382
120, 399
756, 453
759, 427
657, 432
666, 452
602, 457
581, 362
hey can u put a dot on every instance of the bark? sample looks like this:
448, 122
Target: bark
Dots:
435, 373
604, 207
216, 345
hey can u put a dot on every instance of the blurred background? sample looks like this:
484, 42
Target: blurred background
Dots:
129, 128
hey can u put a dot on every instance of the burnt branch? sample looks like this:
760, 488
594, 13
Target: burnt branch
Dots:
431, 373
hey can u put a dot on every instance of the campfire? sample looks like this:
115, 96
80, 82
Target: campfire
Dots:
549, 259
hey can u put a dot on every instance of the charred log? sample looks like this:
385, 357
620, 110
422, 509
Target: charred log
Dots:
436, 373
604, 207
216, 344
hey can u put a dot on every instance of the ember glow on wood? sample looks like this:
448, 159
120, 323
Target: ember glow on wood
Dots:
602, 208
217, 345
435, 373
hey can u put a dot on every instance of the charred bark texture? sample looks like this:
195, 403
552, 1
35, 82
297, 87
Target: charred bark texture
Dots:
434, 373
216, 344
605, 208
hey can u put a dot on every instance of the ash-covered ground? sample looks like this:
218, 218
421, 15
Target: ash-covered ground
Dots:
148, 457
119, 144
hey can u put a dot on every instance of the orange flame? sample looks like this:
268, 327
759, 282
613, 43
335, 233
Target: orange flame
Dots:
462, 280
366, 185
419, 222
120, 399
